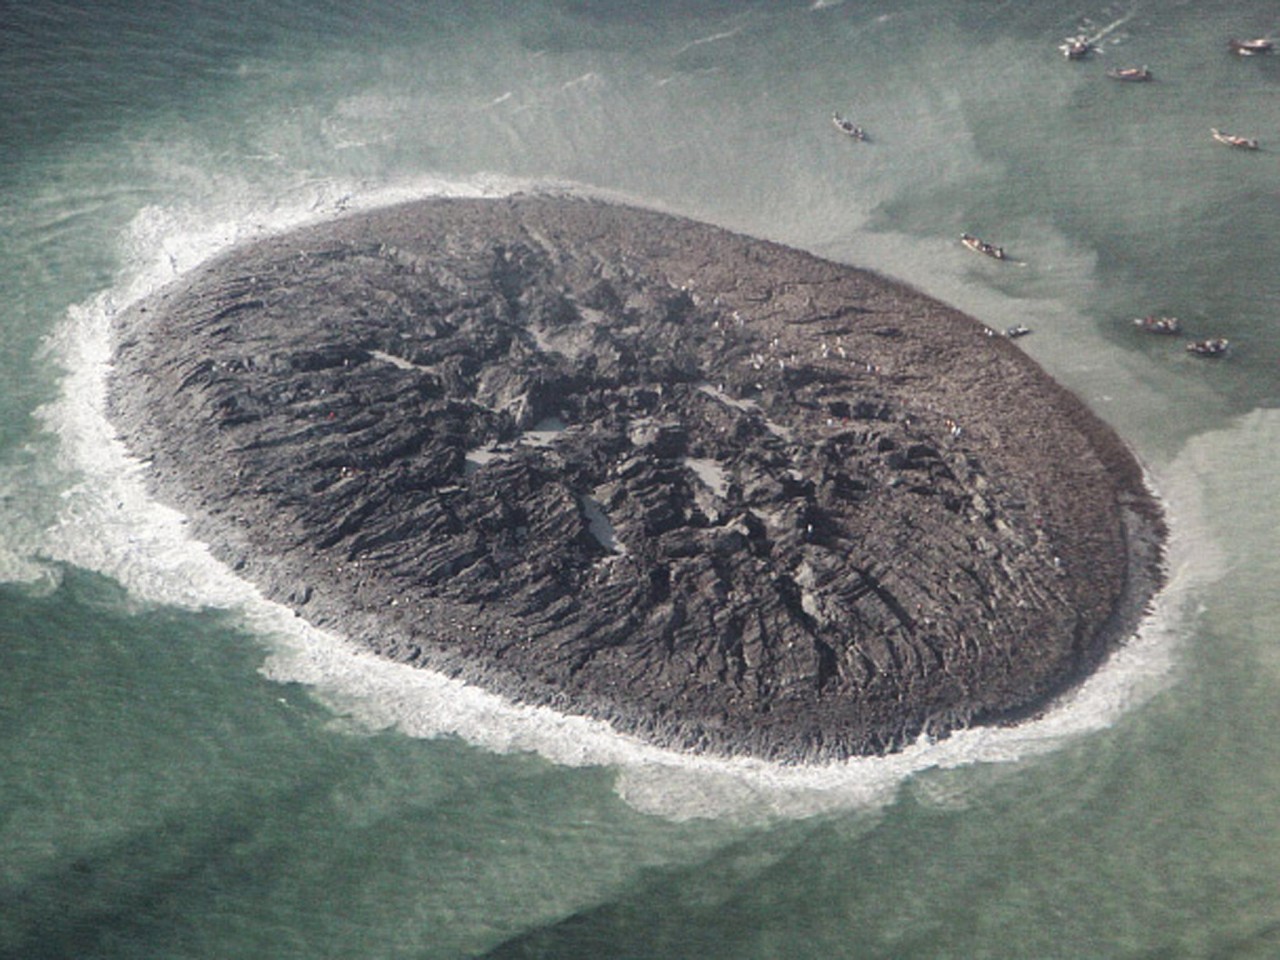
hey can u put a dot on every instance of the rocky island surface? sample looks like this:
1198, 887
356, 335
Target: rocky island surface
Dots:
720, 493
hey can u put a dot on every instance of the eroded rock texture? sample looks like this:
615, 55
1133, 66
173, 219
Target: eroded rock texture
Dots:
722, 493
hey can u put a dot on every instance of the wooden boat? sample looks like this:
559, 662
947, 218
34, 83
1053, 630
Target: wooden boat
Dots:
1244, 143
848, 127
1250, 48
1213, 347
1131, 74
1154, 324
1076, 48
981, 246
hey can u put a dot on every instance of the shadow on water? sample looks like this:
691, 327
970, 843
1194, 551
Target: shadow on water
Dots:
658, 920
888, 889
718, 907
105, 708
656, 917
123, 898
1263, 942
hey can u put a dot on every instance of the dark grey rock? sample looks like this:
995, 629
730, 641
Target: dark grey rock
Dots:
721, 493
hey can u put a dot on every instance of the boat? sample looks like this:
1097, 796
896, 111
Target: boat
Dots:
1213, 347
981, 246
1154, 324
1131, 74
1019, 331
1250, 48
1244, 143
848, 127
1076, 48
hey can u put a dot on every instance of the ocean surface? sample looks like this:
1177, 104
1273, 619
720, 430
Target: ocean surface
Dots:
189, 772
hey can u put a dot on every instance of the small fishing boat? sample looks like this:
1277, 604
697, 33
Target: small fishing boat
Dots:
1250, 48
1244, 143
981, 246
1018, 331
1213, 347
1076, 48
1154, 324
1131, 74
848, 127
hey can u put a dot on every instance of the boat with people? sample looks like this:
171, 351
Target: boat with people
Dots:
1250, 48
1130, 74
1213, 347
983, 247
1154, 324
1076, 48
1244, 143
848, 127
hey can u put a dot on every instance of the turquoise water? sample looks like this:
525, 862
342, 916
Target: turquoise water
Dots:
186, 771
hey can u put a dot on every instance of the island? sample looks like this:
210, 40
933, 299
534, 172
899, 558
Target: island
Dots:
722, 494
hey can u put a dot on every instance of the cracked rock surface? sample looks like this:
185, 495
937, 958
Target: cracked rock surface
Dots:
721, 493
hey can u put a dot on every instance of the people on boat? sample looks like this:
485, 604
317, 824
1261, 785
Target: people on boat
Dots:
1154, 324
1213, 347
1249, 48
982, 246
1076, 48
848, 127
1244, 143
1130, 73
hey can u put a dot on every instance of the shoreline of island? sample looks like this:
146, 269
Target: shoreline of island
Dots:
920, 454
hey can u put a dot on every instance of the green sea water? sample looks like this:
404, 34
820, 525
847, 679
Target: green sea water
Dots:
188, 772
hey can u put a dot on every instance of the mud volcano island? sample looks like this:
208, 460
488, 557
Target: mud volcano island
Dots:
721, 493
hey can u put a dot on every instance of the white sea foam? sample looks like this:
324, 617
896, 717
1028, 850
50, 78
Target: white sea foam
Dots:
712, 38
109, 524
19, 566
